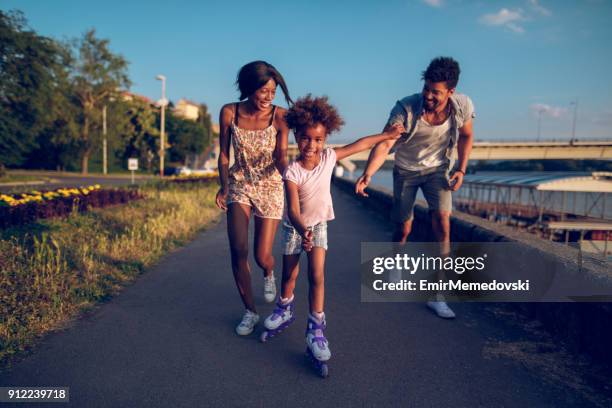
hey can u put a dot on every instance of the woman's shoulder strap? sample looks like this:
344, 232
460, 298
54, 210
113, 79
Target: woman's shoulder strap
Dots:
272, 117
235, 119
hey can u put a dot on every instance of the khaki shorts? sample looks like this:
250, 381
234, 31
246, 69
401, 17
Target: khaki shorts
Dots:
265, 199
434, 184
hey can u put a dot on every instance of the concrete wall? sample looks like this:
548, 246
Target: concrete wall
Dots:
582, 327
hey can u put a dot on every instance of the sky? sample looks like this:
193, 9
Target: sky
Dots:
520, 60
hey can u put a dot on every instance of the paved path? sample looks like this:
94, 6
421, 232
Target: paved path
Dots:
168, 341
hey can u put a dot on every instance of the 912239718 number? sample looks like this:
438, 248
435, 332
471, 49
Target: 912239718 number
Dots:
38, 394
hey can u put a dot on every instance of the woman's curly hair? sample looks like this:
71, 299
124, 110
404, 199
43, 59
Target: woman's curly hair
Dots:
309, 111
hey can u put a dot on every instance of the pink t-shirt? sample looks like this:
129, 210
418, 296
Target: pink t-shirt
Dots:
314, 189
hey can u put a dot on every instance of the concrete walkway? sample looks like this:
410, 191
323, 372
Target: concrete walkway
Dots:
168, 341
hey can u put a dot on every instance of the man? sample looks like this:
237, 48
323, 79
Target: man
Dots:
438, 121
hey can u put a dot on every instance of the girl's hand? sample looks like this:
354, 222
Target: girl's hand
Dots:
395, 131
307, 240
221, 199
361, 184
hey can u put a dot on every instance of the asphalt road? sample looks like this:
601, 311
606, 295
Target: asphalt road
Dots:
53, 181
168, 341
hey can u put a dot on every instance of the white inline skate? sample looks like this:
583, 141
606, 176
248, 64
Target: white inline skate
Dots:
317, 346
279, 320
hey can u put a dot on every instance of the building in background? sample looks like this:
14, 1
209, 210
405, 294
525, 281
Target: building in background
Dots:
187, 110
129, 96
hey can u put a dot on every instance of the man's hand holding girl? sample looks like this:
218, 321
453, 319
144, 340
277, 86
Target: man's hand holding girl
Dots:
395, 131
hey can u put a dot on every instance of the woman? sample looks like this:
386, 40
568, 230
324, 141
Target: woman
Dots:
258, 132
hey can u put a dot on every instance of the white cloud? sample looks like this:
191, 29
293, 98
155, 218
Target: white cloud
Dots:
510, 19
434, 3
550, 111
515, 27
535, 5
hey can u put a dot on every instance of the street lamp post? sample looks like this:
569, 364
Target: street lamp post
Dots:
539, 123
162, 102
104, 143
574, 121
104, 136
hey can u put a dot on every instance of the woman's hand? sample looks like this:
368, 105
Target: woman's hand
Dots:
361, 184
221, 199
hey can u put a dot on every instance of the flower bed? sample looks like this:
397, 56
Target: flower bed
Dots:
24, 208
206, 178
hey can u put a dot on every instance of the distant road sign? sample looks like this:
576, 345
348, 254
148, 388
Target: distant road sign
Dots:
132, 164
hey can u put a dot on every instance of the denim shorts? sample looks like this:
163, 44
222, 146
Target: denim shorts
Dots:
434, 184
292, 240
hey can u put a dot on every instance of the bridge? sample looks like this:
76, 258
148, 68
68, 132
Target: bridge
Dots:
519, 150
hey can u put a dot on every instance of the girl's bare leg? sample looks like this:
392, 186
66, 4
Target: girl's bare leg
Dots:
291, 269
316, 279
238, 233
265, 230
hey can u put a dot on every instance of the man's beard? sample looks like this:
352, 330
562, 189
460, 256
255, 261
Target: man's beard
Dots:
430, 107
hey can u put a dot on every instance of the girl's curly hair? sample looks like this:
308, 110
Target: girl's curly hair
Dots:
309, 111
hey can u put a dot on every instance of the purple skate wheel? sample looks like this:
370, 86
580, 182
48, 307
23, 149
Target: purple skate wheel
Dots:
324, 370
321, 366
264, 336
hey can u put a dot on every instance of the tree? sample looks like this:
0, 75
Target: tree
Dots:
32, 77
97, 75
206, 121
136, 130
184, 136
56, 143
188, 139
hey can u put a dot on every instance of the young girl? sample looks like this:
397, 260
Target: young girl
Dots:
258, 131
309, 207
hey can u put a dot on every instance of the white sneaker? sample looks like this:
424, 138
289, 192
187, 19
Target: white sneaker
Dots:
441, 309
269, 288
249, 320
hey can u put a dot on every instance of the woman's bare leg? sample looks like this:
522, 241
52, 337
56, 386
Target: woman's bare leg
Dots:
265, 231
238, 233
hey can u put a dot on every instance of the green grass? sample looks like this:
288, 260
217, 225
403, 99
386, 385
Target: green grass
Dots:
53, 270
14, 178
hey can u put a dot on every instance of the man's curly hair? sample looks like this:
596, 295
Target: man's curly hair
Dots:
443, 69
309, 111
